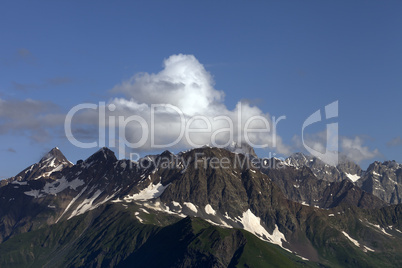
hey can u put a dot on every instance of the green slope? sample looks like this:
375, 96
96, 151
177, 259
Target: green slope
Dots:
112, 236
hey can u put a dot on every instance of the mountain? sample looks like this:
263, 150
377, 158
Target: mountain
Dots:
53, 161
346, 169
383, 180
207, 207
303, 186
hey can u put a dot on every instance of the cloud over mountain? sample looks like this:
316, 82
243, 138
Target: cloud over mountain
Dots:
188, 91
352, 147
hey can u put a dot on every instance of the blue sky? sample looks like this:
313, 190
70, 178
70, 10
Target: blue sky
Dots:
285, 57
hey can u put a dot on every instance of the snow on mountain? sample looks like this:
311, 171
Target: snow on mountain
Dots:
54, 161
353, 178
346, 169
238, 197
383, 180
152, 191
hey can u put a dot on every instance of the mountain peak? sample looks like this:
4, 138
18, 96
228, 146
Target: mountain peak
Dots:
389, 164
54, 154
298, 159
103, 153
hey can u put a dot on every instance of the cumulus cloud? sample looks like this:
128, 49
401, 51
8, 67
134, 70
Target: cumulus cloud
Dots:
353, 148
183, 82
397, 141
318, 142
188, 91
176, 108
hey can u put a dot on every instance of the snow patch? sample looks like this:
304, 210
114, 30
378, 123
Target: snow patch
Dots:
352, 177
190, 206
252, 224
86, 205
221, 224
176, 204
304, 259
157, 206
379, 228
20, 182
383, 230
72, 202
210, 210
351, 239
152, 191
61, 184
34, 193
368, 249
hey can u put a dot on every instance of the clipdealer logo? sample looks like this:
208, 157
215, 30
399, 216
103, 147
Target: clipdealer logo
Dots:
112, 127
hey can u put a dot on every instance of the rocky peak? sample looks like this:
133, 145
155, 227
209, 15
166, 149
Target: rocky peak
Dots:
166, 153
383, 180
384, 168
55, 156
103, 154
346, 168
53, 161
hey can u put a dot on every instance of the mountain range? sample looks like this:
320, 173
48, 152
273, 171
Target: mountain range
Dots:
205, 207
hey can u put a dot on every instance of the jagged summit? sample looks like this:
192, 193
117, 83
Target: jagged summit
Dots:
103, 153
346, 168
286, 206
166, 153
388, 163
51, 162
383, 180
55, 154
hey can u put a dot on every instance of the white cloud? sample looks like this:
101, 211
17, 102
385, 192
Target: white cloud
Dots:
185, 84
317, 142
354, 149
